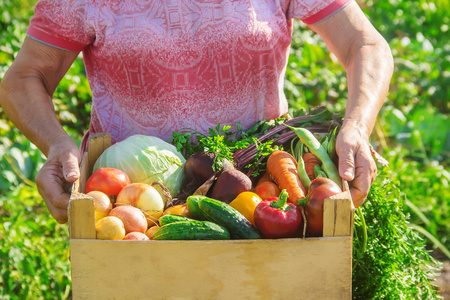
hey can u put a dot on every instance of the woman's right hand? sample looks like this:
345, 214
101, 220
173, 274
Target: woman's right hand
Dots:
26, 97
54, 180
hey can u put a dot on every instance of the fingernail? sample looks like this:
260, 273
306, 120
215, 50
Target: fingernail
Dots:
348, 174
71, 174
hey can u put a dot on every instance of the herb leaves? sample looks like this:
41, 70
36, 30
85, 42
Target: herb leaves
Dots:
395, 263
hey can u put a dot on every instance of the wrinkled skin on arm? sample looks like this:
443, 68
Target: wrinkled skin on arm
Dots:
368, 62
26, 97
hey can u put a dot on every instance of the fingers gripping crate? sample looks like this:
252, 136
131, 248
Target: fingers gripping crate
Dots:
296, 268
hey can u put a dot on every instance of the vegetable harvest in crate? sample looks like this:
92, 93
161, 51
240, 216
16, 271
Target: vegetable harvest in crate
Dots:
170, 185
266, 182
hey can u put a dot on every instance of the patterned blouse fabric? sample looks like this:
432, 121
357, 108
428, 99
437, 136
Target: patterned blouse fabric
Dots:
157, 66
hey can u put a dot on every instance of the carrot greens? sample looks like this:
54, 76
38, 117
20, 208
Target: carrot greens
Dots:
391, 260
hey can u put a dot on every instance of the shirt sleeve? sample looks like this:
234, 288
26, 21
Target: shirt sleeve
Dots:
61, 24
313, 11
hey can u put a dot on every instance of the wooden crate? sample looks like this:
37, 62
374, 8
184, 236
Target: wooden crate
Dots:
310, 268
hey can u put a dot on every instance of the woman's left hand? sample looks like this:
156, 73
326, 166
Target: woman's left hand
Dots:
356, 164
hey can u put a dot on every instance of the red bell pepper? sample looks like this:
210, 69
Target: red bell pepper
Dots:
275, 218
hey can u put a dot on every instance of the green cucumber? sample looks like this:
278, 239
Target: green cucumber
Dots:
170, 218
192, 205
192, 230
223, 214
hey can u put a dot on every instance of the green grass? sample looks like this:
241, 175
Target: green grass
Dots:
34, 249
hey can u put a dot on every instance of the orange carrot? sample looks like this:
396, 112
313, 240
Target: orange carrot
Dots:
310, 162
283, 168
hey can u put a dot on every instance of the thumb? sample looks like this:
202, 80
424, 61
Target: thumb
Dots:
347, 165
71, 169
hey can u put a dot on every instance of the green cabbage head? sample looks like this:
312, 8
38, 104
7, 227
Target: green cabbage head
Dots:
146, 159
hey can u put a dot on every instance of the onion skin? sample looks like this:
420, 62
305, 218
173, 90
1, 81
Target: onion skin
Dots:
180, 209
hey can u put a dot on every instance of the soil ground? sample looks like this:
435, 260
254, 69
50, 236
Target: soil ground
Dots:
443, 281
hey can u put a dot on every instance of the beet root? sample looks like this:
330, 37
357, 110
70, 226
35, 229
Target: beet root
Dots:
199, 171
199, 166
229, 184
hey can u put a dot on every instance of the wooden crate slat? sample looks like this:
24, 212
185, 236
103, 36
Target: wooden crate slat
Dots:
81, 206
81, 217
338, 215
315, 268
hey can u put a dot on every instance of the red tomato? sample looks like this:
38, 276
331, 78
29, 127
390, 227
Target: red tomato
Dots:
107, 180
320, 189
321, 181
267, 189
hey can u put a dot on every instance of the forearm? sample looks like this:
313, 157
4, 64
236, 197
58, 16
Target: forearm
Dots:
369, 71
366, 58
27, 103
26, 93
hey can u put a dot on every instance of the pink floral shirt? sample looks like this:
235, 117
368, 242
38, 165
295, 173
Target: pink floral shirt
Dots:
157, 66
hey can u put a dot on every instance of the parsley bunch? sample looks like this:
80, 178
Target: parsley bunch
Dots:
223, 142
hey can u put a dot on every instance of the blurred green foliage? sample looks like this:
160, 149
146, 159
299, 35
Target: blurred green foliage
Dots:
412, 134
412, 131
33, 249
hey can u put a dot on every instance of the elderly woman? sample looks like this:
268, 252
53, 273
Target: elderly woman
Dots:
157, 66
